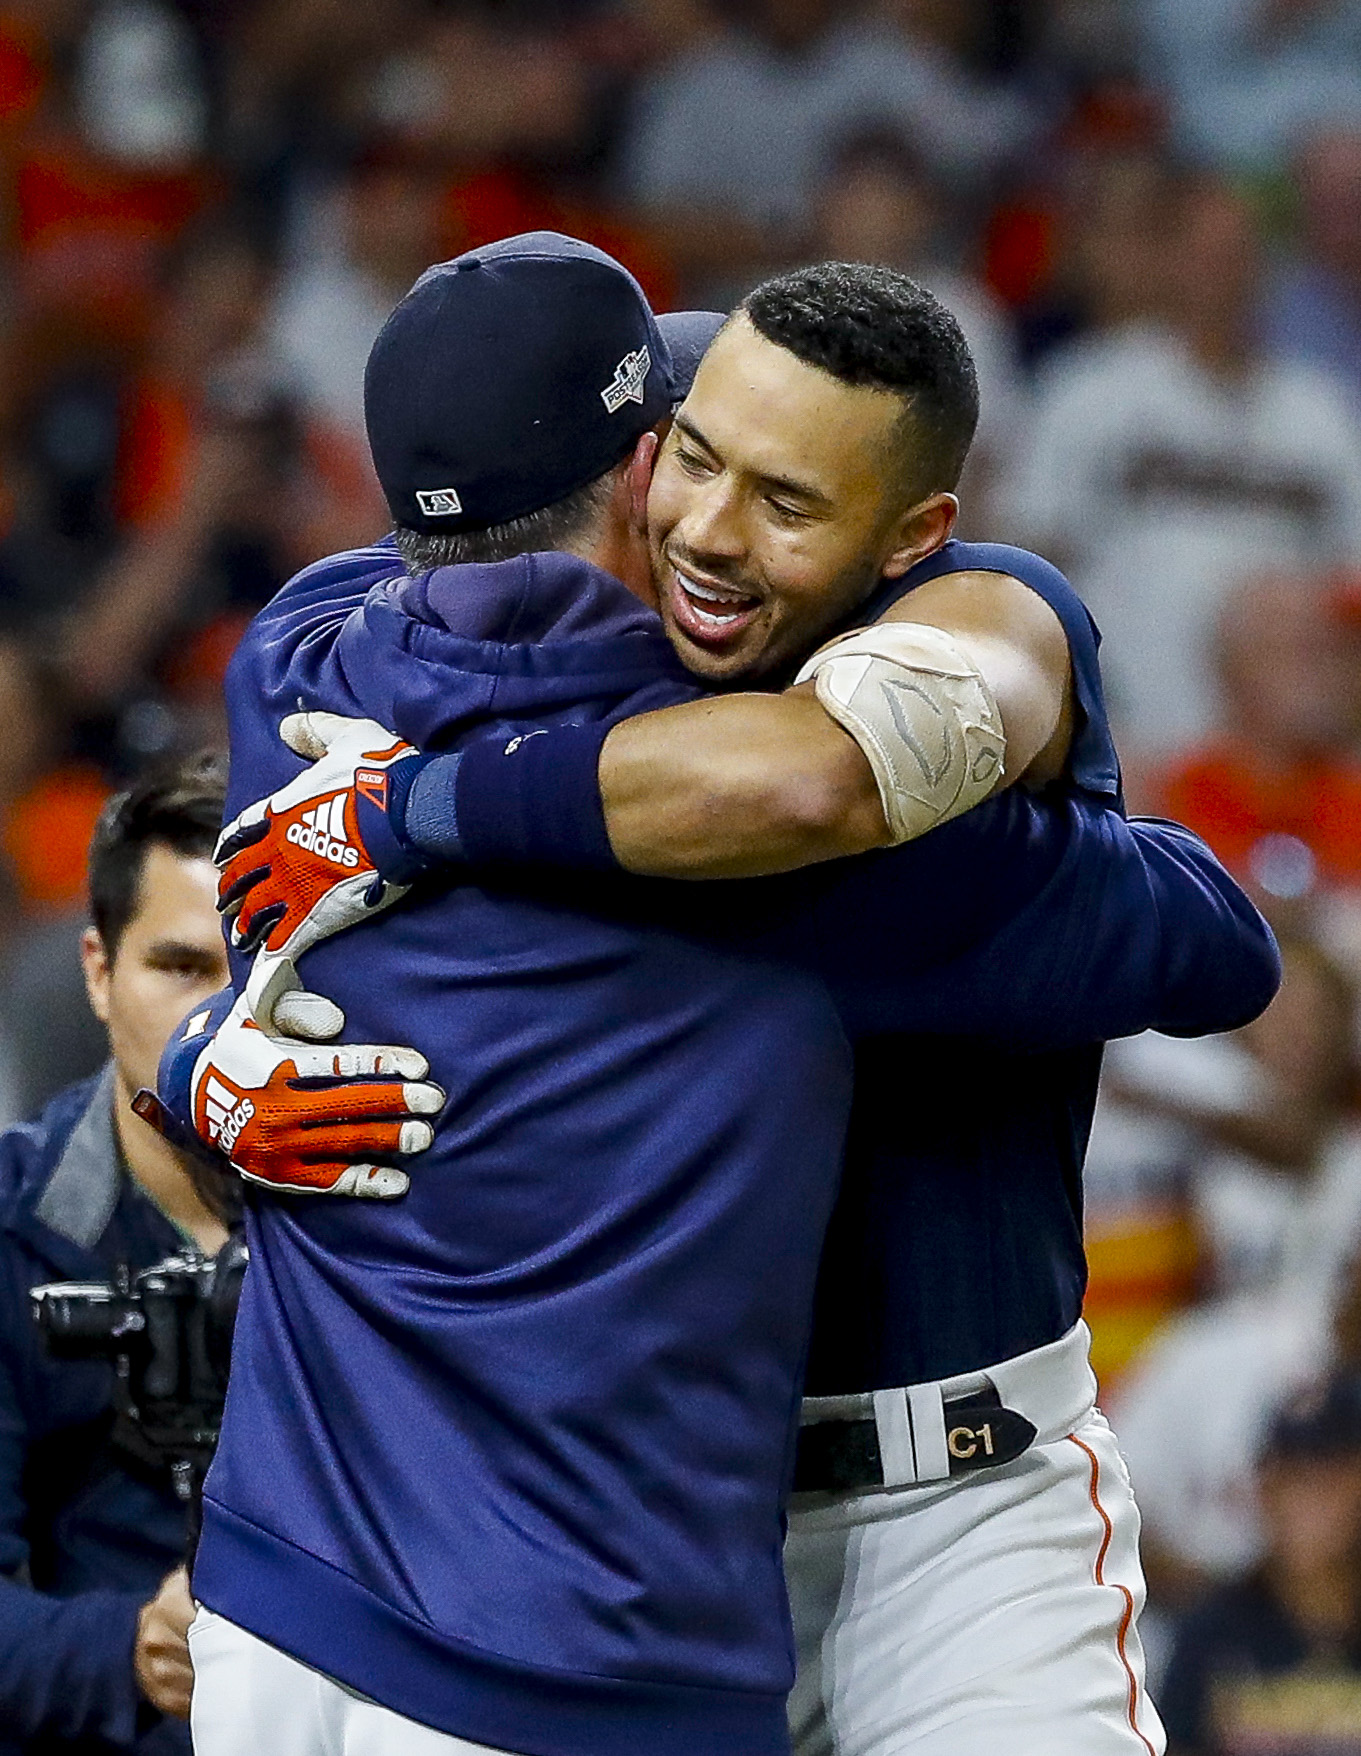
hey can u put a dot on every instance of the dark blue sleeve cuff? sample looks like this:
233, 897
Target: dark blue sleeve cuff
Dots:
535, 800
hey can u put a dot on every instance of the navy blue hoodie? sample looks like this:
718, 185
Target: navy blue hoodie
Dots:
508, 1455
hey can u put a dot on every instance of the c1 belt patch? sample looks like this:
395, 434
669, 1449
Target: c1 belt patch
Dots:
981, 1434
841, 1457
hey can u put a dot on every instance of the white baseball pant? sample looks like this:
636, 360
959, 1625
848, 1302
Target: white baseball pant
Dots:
991, 1611
250, 1698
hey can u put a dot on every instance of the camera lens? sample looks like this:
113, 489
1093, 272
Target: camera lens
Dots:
84, 1320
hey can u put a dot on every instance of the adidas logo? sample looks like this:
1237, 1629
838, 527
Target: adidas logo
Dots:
321, 831
227, 1112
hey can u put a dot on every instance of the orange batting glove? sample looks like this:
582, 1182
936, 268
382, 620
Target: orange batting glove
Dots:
255, 1099
319, 855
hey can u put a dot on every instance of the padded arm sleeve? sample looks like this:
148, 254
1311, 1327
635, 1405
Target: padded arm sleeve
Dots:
922, 713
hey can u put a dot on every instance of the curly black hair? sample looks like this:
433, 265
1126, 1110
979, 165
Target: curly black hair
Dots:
868, 325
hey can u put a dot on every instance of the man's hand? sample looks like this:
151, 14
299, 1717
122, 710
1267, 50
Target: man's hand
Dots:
160, 1654
310, 1118
318, 855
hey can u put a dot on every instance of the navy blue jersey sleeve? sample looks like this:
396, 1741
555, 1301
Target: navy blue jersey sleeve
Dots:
531, 802
1218, 961
1061, 924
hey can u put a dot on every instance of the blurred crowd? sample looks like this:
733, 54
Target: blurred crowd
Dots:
1147, 215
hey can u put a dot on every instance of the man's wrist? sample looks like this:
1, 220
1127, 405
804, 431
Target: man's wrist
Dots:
534, 800
173, 1113
427, 818
385, 817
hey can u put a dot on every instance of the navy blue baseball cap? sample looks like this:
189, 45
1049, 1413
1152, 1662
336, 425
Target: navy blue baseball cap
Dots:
510, 377
688, 335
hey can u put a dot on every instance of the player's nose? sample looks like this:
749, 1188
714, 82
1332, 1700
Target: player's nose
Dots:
712, 523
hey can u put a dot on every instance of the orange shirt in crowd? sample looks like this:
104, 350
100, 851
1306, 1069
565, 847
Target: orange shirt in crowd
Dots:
1232, 801
90, 235
47, 836
23, 73
1142, 1268
155, 453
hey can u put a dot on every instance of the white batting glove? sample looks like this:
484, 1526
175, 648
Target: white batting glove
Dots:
318, 855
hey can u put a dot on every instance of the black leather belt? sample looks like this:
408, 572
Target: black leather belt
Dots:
839, 1457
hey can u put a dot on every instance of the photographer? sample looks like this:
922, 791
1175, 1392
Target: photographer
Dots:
94, 1599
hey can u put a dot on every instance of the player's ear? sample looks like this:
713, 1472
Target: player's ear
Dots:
638, 476
622, 549
96, 966
920, 532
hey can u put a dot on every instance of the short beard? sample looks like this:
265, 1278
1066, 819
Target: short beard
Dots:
852, 588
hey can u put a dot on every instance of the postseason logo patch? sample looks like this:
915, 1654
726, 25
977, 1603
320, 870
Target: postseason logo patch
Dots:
630, 375
441, 502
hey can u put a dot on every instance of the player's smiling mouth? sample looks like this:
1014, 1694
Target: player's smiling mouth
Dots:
708, 612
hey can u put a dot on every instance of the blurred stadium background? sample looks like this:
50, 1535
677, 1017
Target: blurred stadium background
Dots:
1147, 214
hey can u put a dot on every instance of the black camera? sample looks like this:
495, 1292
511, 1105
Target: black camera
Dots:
168, 1335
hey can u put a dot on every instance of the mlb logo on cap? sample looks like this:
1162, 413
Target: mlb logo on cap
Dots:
439, 502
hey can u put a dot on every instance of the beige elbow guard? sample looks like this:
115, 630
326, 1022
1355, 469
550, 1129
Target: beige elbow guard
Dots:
923, 714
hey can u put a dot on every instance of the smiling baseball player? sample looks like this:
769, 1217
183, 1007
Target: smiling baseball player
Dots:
950, 1449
